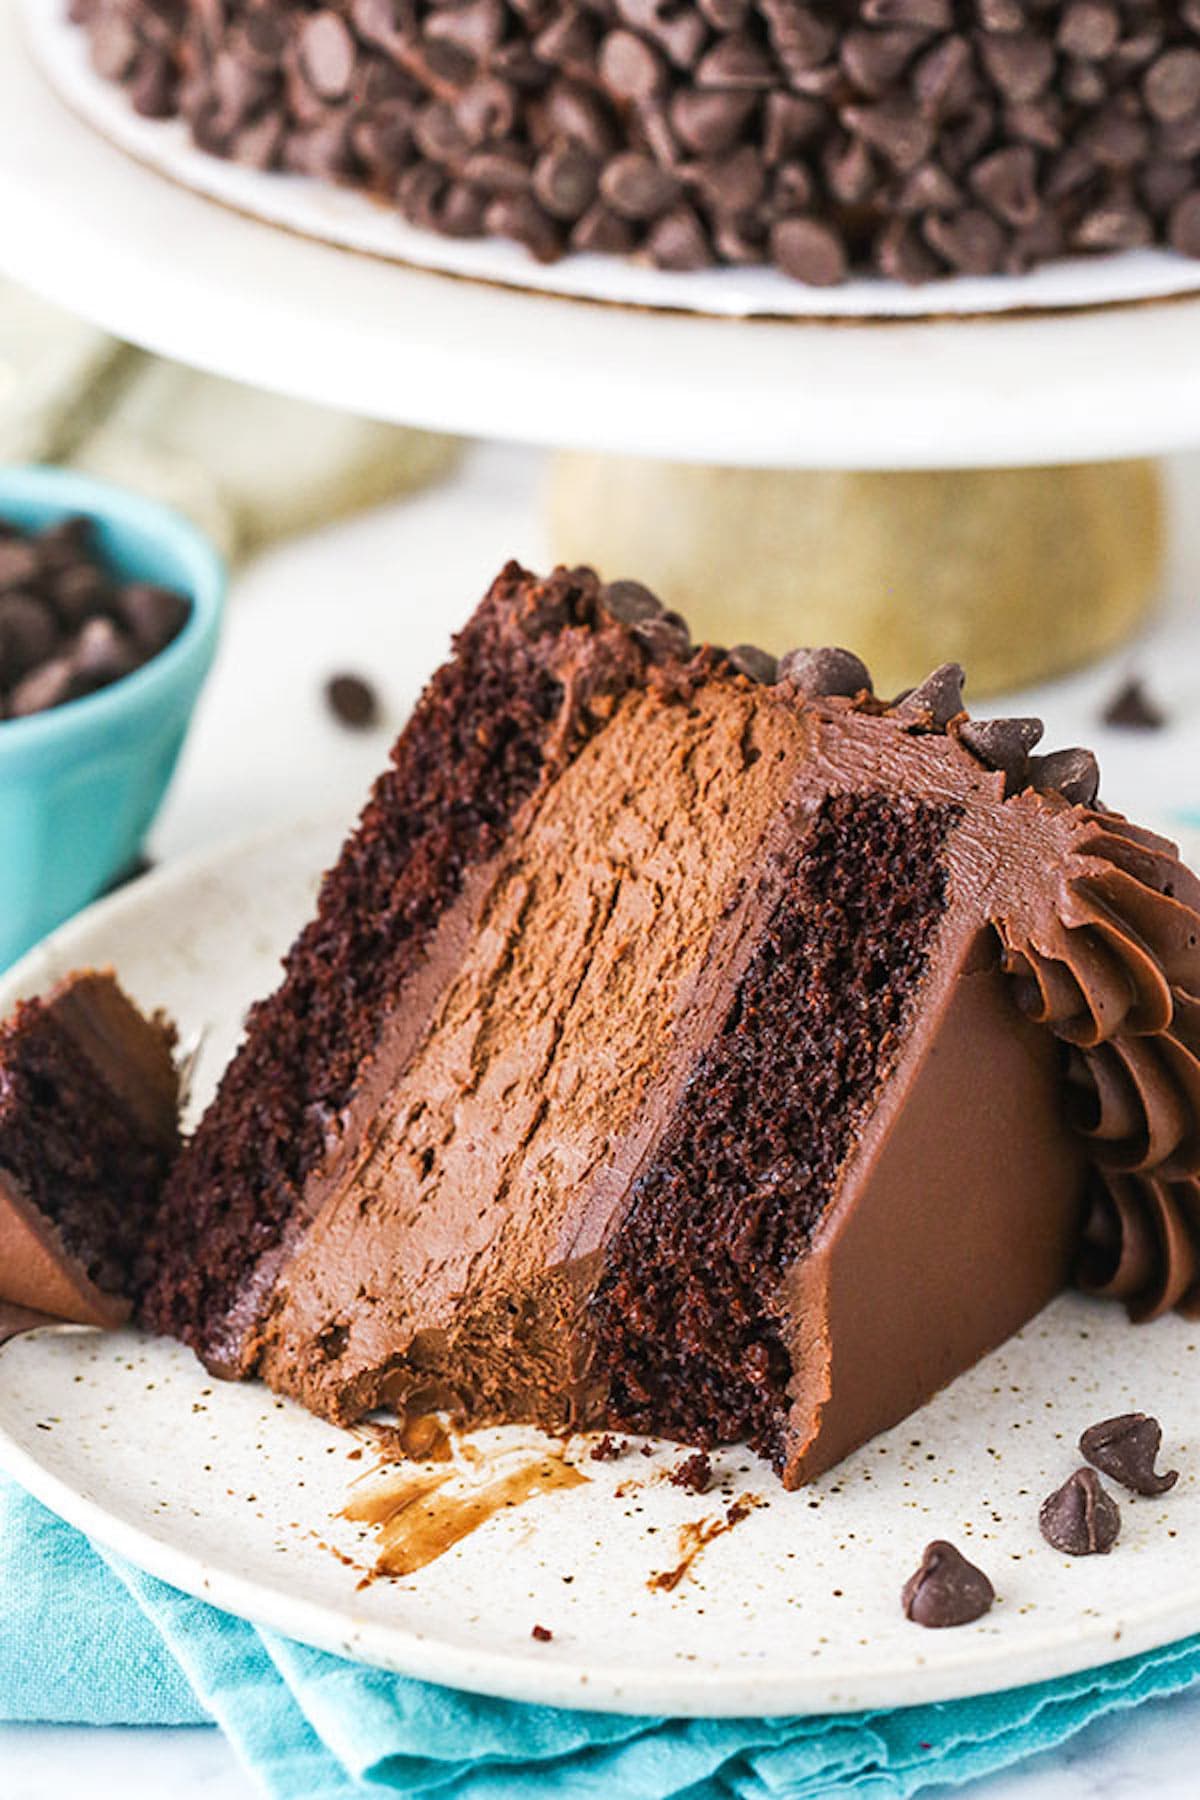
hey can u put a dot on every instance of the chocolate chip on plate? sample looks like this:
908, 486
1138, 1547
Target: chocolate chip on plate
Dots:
1132, 709
352, 701
1080, 1518
1127, 1448
946, 1589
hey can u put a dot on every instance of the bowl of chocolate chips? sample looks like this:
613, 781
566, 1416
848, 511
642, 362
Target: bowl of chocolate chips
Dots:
110, 607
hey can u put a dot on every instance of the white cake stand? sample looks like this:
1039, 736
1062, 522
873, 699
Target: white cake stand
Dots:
91, 228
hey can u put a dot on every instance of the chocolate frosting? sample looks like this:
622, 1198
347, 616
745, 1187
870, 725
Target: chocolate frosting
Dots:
1110, 963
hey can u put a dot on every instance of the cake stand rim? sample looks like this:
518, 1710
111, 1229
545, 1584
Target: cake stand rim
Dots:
188, 277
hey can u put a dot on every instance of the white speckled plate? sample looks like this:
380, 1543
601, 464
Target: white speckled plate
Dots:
234, 1495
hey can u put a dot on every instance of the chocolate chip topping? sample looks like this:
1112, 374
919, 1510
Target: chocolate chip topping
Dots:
946, 1589
1075, 774
630, 603
1003, 744
352, 701
1080, 1518
1127, 1449
825, 673
759, 665
937, 699
913, 138
1132, 709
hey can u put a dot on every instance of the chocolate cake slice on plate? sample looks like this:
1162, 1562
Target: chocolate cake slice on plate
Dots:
88, 1102
692, 1044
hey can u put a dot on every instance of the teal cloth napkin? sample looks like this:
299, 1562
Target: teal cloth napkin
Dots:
86, 1638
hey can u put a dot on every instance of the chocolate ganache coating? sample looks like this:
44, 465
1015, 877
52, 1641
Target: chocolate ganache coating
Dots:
912, 138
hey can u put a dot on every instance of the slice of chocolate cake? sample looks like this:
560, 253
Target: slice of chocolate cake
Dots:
685, 1043
88, 1101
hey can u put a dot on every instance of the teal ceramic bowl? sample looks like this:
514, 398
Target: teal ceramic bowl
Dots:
81, 783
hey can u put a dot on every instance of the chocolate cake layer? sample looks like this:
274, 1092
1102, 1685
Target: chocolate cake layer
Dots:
88, 1098
913, 138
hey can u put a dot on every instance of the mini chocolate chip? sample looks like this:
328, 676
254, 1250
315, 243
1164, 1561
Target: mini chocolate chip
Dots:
758, 664
629, 602
946, 1589
637, 187
1132, 709
564, 180
541, 1634
1021, 65
28, 635
1089, 29
1002, 744
936, 700
153, 615
736, 62
679, 241
1080, 1518
896, 128
352, 701
1171, 85
629, 67
665, 638
48, 685
1007, 181
1183, 226
327, 54
77, 592
825, 672
1127, 1448
20, 562
100, 655
602, 231
970, 240
709, 121
1075, 774
809, 251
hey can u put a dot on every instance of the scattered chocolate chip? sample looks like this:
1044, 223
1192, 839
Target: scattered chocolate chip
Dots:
542, 1634
1132, 709
352, 701
946, 1589
936, 700
1075, 774
1080, 1518
1002, 744
694, 1473
1127, 1449
609, 1448
823, 673
758, 664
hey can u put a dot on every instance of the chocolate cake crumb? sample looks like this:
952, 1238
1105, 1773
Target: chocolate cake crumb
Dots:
609, 1448
352, 701
541, 1634
946, 1589
1080, 1518
1127, 1449
694, 1473
1132, 709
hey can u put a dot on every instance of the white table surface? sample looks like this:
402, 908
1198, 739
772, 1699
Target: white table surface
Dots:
380, 595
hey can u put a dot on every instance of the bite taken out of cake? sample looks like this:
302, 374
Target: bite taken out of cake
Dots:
698, 1045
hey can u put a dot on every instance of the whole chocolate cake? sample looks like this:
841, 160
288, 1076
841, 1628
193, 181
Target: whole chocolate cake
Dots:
694, 1044
88, 1101
915, 138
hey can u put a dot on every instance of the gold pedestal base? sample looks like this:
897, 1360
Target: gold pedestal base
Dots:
1018, 574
